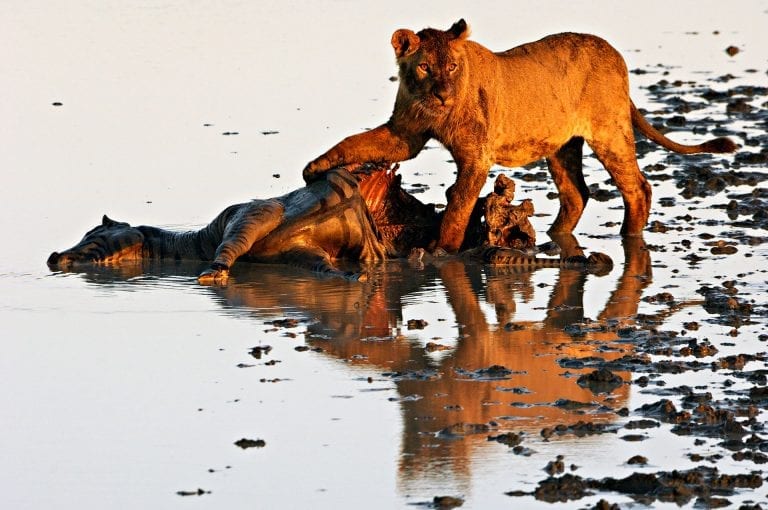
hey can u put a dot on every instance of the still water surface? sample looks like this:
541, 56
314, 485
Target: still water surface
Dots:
123, 386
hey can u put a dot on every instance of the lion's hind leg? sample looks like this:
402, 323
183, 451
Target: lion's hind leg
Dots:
616, 152
247, 226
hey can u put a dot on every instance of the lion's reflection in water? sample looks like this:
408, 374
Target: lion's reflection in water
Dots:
445, 394
448, 394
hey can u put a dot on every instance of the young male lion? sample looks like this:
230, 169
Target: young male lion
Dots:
538, 100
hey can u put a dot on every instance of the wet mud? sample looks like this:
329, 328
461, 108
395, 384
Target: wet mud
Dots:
729, 411
503, 385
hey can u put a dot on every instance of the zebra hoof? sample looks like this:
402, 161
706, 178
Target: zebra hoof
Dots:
213, 277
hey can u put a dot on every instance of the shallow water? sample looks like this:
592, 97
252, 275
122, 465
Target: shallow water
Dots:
124, 386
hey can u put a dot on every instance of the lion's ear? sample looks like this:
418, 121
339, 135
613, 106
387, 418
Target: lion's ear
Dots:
459, 30
405, 42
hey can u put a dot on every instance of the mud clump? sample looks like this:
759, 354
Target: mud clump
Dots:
414, 375
198, 492
711, 422
698, 349
600, 381
641, 424
665, 411
678, 487
417, 324
562, 489
555, 467
285, 323
460, 430
260, 350
510, 439
758, 394
446, 502
492, 373
605, 505
579, 429
719, 300
245, 443
756, 457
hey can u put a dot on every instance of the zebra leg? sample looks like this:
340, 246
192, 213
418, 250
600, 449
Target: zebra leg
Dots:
318, 261
244, 228
215, 275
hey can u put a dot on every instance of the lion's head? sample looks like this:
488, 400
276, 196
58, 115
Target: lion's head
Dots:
432, 68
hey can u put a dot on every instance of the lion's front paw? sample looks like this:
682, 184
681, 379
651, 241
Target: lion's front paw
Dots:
214, 276
315, 169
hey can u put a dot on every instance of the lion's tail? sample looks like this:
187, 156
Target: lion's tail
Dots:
715, 145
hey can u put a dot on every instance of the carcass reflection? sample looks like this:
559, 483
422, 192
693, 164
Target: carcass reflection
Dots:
497, 370
500, 369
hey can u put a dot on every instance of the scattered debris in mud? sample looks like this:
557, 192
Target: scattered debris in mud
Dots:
260, 350
706, 484
441, 503
447, 502
636, 351
245, 443
460, 430
579, 429
198, 492
600, 381
416, 375
284, 323
494, 372
434, 347
417, 324
732, 420
508, 438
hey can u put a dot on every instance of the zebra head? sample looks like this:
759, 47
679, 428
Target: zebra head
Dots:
108, 243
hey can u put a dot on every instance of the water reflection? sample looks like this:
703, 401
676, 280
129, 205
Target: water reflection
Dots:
442, 384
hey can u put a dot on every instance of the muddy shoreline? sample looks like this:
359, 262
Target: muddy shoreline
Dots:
734, 420
728, 413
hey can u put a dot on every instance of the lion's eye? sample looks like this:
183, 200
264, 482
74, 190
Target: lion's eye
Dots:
424, 67
452, 67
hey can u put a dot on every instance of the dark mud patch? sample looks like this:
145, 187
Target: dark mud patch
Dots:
260, 350
641, 424
510, 439
246, 443
434, 347
197, 492
492, 373
447, 502
579, 429
461, 430
726, 412
441, 503
600, 381
413, 375
417, 324
705, 484
287, 322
